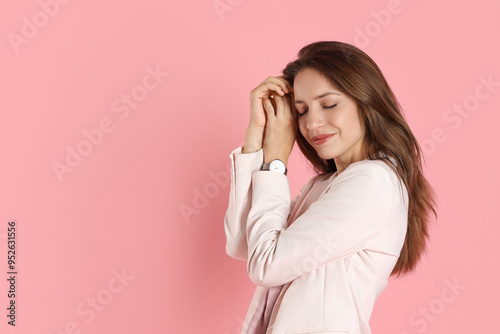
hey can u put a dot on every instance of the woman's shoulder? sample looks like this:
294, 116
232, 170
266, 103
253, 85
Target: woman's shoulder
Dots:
380, 166
380, 163
375, 172
372, 167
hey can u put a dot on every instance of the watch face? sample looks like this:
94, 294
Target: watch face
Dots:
277, 166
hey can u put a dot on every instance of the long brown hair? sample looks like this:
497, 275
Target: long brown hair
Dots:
354, 73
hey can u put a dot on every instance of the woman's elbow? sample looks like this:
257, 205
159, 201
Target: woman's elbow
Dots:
261, 276
235, 252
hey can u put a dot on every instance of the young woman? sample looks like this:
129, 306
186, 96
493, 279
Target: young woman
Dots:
321, 260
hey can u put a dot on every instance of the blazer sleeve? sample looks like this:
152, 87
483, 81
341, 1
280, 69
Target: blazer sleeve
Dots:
352, 211
240, 200
240, 194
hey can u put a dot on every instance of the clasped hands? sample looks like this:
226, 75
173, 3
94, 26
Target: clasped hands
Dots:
273, 121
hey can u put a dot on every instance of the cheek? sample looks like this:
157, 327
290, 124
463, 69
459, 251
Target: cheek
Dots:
335, 118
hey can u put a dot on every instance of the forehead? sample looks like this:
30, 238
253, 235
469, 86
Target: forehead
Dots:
310, 83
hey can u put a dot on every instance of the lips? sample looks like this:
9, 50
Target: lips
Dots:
321, 139
316, 138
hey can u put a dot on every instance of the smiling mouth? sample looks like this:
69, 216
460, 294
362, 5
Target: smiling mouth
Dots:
323, 139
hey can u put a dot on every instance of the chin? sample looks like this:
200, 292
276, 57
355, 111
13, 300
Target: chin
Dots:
324, 153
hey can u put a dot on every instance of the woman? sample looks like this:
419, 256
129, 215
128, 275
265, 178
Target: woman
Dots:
322, 259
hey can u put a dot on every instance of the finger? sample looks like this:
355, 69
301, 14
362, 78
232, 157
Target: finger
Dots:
278, 84
291, 106
268, 107
288, 84
287, 87
288, 107
274, 89
280, 106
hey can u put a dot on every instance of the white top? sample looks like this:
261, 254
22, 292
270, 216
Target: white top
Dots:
322, 259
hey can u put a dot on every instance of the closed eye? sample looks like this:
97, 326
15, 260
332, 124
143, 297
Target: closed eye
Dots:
327, 107
330, 106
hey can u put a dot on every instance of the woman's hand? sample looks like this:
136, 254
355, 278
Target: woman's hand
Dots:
258, 116
281, 128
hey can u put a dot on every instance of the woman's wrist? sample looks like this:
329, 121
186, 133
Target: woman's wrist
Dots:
253, 139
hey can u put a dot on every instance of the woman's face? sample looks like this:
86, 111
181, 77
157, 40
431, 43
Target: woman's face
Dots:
315, 118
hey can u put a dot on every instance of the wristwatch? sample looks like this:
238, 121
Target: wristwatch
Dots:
276, 166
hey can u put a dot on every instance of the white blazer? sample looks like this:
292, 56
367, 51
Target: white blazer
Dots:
322, 259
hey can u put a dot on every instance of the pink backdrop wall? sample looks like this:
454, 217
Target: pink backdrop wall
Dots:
117, 117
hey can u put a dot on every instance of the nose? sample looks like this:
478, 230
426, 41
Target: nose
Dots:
314, 119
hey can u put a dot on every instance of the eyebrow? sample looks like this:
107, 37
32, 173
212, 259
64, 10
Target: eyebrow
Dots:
318, 97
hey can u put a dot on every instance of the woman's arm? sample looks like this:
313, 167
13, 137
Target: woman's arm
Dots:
338, 224
246, 160
240, 200
242, 167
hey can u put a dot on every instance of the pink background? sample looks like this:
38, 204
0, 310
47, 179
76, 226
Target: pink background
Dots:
119, 208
